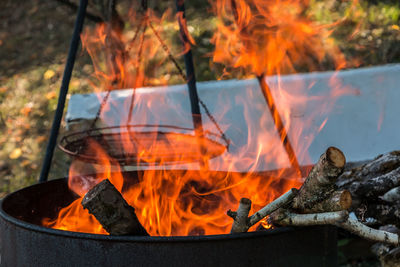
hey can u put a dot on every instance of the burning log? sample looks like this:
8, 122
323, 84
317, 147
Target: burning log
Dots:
117, 217
320, 183
241, 221
240, 217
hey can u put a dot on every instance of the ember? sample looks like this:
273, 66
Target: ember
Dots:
254, 37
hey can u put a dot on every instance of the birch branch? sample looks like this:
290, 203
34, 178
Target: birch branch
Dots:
356, 227
339, 218
285, 218
273, 206
320, 182
337, 201
241, 221
240, 217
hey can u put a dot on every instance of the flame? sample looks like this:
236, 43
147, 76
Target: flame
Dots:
256, 37
271, 37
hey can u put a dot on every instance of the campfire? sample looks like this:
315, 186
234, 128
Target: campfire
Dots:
190, 177
254, 37
169, 203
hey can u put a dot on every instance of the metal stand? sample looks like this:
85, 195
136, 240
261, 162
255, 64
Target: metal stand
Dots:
63, 90
191, 79
191, 82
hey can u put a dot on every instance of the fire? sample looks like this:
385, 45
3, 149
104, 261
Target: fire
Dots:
257, 37
271, 37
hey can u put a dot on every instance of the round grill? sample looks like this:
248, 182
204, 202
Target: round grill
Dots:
144, 145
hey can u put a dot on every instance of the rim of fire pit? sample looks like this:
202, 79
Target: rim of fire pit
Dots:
165, 144
51, 231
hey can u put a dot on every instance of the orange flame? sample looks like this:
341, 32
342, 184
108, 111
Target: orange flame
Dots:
259, 37
271, 37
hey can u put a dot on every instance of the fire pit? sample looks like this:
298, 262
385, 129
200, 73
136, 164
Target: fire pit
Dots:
24, 242
185, 212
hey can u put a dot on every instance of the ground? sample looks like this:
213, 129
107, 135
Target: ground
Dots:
34, 40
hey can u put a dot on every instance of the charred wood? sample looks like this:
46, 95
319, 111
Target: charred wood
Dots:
117, 217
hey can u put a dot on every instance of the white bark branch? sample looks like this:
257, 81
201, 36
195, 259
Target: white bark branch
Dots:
273, 206
286, 218
356, 227
241, 221
392, 195
240, 217
320, 182
339, 218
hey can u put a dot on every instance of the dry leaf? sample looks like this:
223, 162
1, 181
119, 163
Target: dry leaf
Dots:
26, 110
41, 138
49, 74
51, 95
25, 163
16, 153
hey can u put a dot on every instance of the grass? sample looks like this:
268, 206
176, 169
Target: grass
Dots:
34, 40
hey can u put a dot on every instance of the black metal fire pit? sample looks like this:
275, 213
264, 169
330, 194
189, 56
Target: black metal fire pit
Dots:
25, 243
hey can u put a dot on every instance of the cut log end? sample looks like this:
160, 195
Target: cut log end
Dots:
335, 157
320, 182
345, 199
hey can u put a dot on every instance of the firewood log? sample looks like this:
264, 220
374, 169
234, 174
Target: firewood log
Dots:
341, 219
283, 217
338, 200
240, 217
117, 217
384, 213
320, 182
241, 221
372, 180
388, 255
392, 195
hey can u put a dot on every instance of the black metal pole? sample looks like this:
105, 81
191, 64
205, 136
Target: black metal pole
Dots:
191, 78
280, 127
266, 91
190, 75
63, 90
